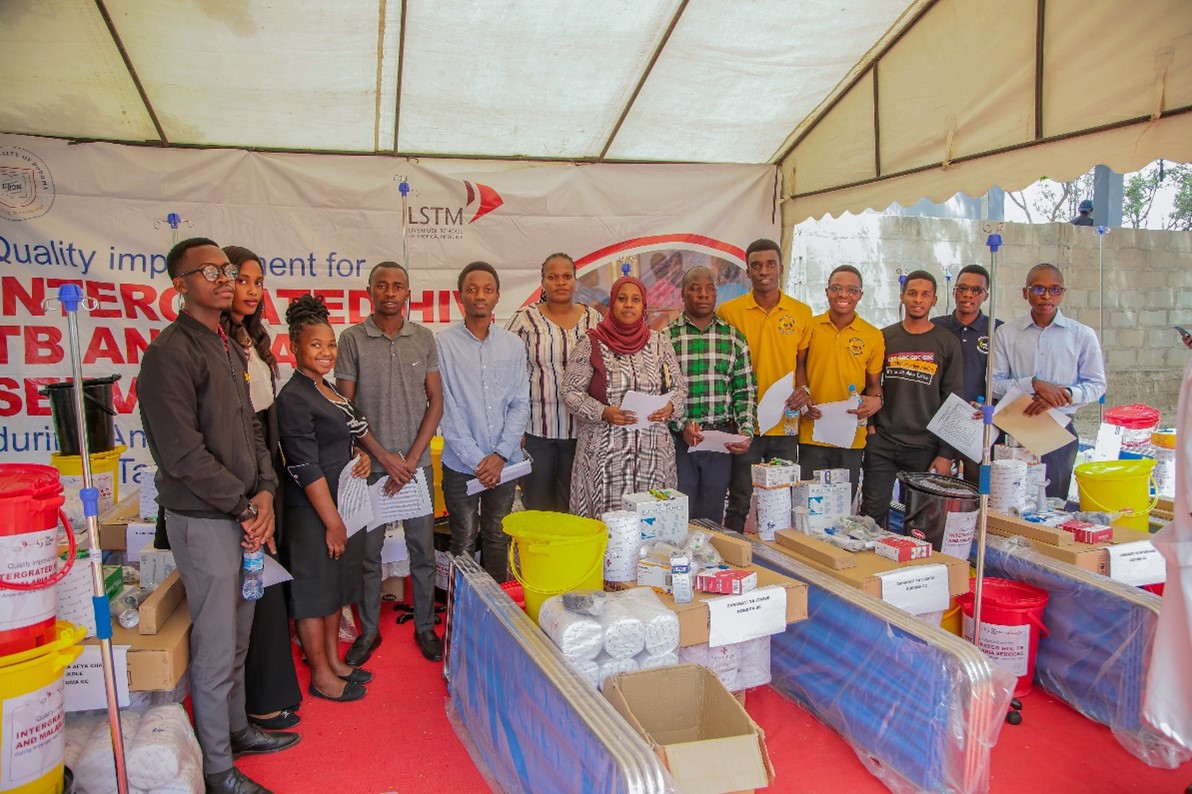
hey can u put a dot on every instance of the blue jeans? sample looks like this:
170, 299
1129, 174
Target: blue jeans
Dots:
479, 515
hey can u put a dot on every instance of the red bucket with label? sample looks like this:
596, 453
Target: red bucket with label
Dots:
1011, 624
30, 508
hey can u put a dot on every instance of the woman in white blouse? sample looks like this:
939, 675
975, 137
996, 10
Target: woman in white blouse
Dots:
551, 330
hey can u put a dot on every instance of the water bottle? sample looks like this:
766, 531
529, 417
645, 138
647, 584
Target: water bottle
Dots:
790, 422
253, 567
852, 395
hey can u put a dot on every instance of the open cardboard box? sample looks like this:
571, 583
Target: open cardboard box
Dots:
113, 522
865, 566
1060, 544
694, 616
700, 731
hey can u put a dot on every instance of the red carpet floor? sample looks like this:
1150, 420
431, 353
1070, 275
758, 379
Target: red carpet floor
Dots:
398, 739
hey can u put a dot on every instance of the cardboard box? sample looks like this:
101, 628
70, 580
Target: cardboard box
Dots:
156, 565
694, 618
815, 549
393, 588
726, 581
655, 575
156, 661
829, 476
733, 549
774, 474
700, 731
113, 522
161, 603
1061, 545
863, 574
670, 512
825, 502
902, 549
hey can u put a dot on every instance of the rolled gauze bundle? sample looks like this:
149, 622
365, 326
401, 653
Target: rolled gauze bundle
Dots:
95, 771
162, 742
1007, 486
189, 780
624, 540
624, 634
78, 736
589, 669
753, 667
646, 661
577, 636
610, 666
661, 624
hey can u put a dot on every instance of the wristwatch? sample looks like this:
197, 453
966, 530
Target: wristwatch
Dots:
249, 514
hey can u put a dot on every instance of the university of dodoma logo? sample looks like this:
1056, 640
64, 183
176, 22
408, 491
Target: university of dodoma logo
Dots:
26, 187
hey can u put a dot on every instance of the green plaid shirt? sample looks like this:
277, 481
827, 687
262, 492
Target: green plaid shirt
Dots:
720, 382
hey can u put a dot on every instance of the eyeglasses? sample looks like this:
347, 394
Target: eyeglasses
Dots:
1039, 291
837, 289
965, 289
212, 272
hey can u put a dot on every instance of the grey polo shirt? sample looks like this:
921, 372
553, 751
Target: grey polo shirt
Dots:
390, 376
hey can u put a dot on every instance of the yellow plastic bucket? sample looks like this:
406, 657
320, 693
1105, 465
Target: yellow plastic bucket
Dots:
32, 702
1111, 486
555, 553
951, 621
105, 476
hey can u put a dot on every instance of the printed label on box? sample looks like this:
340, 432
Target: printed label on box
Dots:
1006, 646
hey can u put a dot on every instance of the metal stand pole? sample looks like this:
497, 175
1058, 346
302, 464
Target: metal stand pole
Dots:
1101, 232
994, 241
69, 298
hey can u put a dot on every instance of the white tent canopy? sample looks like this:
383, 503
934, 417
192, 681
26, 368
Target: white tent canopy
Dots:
859, 104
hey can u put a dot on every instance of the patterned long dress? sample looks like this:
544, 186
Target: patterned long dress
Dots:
610, 460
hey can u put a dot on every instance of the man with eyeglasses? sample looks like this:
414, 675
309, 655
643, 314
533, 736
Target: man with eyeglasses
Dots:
1052, 357
216, 482
971, 326
775, 326
923, 365
843, 350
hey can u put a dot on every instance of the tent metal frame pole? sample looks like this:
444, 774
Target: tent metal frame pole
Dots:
70, 297
994, 241
1101, 231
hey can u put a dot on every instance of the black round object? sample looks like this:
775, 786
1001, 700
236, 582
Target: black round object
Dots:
929, 498
99, 414
1016, 704
1014, 718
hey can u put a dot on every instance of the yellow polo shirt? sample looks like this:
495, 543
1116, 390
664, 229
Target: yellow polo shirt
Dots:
837, 358
774, 337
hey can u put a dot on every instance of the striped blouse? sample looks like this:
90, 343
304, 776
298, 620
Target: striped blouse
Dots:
548, 347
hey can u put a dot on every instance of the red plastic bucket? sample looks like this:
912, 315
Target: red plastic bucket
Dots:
1011, 623
30, 507
514, 590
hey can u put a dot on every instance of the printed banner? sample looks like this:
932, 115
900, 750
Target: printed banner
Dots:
104, 216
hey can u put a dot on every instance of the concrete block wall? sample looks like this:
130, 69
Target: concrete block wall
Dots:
1145, 285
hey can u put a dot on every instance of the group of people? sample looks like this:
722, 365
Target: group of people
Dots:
233, 452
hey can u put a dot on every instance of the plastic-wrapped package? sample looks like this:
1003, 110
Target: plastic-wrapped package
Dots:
1098, 652
624, 541
700, 550
647, 661
661, 623
624, 634
189, 780
610, 666
577, 636
723, 660
539, 726
587, 602
94, 769
589, 669
753, 662
162, 744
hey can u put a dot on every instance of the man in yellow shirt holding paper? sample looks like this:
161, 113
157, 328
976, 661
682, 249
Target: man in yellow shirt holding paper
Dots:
775, 325
842, 350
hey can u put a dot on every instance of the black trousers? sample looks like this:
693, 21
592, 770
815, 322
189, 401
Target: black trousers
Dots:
883, 460
813, 457
1059, 469
548, 485
270, 682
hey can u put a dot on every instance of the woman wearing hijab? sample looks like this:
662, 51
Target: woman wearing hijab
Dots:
620, 355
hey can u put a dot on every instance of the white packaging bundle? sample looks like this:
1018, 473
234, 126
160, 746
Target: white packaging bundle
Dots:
148, 509
626, 532
624, 634
661, 623
163, 743
610, 666
825, 502
78, 735
1007, 486
577, 636
773, 507
723, 660
646, 661
667, 507
189, 781
589, 669
94, 769
753, 667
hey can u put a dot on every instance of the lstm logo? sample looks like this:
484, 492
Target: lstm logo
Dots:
447, 223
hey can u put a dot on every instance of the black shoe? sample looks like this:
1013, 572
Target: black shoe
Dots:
361, 649
286, 718
430, 645
233, 782
254, 741
358, 676
352, 691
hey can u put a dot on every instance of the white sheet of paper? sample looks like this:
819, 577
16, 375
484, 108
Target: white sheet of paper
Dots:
715, 441
394, 548
1109, 443
353, 501
918, 589
771, 404
274, 572
836, 426
511, 472
148, 507
138, 535
954, 423
84, 680
412, 501
737, 618
642, 405
1136, 563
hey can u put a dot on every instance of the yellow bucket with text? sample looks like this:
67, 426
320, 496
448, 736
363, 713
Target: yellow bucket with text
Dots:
1111, 486
553, 553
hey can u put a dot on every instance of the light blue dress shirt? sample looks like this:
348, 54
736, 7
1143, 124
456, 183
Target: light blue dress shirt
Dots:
1065, 353
486, 396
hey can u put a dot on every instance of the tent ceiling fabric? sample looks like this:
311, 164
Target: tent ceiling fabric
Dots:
859, 103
